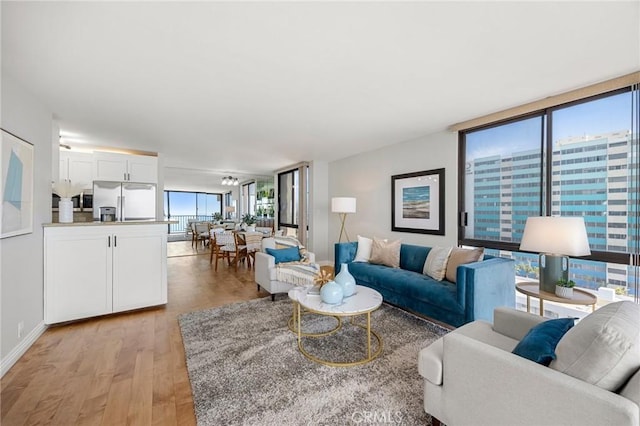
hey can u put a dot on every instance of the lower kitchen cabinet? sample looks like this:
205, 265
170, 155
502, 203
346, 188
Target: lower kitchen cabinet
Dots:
100, 269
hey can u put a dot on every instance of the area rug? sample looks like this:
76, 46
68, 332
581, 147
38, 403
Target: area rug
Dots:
245, 368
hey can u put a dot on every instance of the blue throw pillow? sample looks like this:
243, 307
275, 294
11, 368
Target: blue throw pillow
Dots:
291, 254
540, 342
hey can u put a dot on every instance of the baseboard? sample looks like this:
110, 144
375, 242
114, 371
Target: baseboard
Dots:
21, 348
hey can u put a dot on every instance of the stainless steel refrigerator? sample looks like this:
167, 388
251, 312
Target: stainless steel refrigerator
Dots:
133, 201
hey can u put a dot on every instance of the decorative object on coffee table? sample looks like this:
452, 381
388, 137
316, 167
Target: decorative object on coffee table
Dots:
331, 293
555, 238
346, 281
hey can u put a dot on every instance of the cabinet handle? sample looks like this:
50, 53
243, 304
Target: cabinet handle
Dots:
115, 241
109, 241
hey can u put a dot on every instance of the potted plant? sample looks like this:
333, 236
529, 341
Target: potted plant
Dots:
217, 217
564, 288
250, 222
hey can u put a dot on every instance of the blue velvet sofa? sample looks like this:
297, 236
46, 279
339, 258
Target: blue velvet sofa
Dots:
481, 286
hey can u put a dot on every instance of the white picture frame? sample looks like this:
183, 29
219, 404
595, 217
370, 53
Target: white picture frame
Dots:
17, 166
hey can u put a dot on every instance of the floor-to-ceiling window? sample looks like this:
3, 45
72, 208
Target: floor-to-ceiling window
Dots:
293, 199
574, 159
249, 198
288, 201
184, 206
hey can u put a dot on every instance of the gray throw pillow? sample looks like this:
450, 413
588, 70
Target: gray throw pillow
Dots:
604, 347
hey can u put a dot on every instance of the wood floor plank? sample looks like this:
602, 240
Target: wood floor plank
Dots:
121, 369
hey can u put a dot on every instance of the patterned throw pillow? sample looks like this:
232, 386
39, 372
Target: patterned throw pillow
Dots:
436, 263
385, 252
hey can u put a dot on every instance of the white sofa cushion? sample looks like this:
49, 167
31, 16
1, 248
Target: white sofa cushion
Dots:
604, 347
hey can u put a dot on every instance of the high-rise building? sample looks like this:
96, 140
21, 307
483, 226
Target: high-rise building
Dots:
590, 178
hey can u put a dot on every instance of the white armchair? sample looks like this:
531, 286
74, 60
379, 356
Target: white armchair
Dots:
471, 377
265, 267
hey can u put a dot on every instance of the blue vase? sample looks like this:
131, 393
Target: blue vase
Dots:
346, 281
331, 293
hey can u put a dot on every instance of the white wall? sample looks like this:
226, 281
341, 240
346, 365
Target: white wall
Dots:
368, 178
21, 276
319, 215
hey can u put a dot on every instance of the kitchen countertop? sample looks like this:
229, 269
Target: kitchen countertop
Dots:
98, 223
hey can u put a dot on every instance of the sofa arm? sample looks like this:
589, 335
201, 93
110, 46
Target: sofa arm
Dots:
344, 253
521, 391
514, 324
483, 286
263, 265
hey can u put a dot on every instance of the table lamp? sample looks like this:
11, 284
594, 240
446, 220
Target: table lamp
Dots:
555, 238
230, 210
343, 206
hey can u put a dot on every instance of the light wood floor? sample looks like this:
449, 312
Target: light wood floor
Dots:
121, 369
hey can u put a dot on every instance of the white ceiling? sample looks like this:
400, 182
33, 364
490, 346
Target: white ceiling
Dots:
246, 88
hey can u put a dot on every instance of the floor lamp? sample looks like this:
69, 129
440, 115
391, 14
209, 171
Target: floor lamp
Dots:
555, 238
343, 206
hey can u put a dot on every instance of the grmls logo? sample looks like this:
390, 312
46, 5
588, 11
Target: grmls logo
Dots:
378, 417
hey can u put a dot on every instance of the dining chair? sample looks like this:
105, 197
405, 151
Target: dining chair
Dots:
254, 243
216, 243
226, 245
201, 233
242, 252
235, 249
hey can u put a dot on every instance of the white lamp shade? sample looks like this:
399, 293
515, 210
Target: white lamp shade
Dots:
229, 209
343, 205
556, 235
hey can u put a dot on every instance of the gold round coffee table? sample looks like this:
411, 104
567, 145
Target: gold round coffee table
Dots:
363, 302
532, 289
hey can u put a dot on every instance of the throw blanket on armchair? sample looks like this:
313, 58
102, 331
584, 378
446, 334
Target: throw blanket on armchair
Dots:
297, 273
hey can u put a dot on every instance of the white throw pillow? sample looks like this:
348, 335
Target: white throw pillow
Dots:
436, 263
603, 348
364, 249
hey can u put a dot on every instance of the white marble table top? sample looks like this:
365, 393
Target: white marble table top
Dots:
364, 300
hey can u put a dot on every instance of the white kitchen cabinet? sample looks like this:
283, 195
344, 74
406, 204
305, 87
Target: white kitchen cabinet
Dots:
137, 270
100, 269
123, 167
77, 167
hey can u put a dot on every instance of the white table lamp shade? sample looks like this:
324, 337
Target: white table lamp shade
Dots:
343, 205
556, 235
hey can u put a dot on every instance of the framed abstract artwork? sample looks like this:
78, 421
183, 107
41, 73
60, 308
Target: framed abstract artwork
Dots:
16, 156
417, 202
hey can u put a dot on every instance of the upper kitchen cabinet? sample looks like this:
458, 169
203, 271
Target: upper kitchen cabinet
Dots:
77, 167
124, 167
